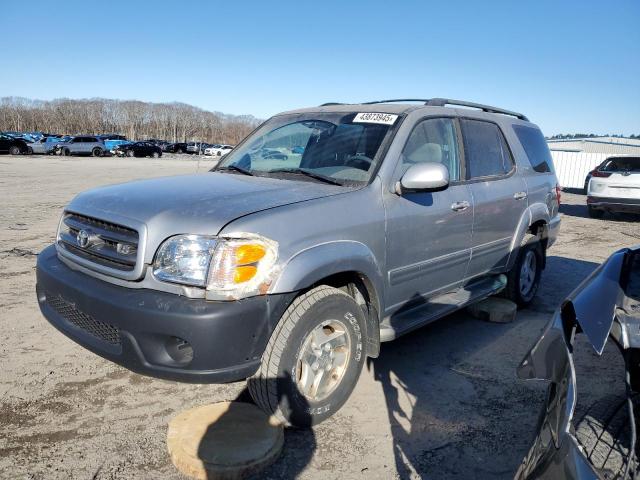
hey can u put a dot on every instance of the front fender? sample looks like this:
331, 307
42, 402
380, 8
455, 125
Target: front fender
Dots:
312, 264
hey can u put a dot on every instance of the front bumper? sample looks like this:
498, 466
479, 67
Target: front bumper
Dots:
616, 204
156, 333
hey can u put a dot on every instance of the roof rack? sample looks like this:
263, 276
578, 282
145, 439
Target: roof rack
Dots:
441, 102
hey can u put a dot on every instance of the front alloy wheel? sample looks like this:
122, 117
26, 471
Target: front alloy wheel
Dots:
313, 359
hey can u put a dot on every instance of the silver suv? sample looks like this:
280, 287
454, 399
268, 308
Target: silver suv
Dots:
290, 269
82, 145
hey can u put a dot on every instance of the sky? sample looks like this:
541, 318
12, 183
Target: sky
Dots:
570, 66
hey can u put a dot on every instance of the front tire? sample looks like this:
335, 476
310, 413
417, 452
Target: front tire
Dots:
155, 155
96, 152
66, 152
14, 150
313, 359
130, 153
523, 279
29, 151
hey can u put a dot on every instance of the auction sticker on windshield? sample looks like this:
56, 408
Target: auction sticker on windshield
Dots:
370, 117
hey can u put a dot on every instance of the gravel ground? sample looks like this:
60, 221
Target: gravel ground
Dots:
442, 402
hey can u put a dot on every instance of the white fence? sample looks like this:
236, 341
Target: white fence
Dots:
572, 167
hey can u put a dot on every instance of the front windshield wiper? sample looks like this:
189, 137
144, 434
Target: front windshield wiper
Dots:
234, 168
307, 173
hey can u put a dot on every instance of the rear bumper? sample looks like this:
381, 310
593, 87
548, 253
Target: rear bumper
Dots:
614, 203
146, 330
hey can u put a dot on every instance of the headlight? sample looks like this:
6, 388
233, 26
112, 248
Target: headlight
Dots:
184, 259
230, 268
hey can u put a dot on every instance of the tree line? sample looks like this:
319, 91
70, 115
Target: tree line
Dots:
174, 122
563, 136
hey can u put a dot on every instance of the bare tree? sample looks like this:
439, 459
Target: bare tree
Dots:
137, 120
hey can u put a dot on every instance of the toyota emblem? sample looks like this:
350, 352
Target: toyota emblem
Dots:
82, 238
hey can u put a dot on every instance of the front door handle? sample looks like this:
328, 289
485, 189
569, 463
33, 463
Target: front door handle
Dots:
520, 195
460, 206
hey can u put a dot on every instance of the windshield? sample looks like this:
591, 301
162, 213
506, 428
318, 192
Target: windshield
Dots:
339, 146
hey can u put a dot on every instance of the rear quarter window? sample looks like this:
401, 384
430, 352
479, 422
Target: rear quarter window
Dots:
536, 148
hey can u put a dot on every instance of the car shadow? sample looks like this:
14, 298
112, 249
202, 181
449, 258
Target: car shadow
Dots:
454, 412
297, 451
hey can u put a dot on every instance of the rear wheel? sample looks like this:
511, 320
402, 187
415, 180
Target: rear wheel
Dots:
603, 433
179, 150
29, 151
155, 154
313, 359
14, 150
96, 152
130, 153
523, 279
595, 212
66, 152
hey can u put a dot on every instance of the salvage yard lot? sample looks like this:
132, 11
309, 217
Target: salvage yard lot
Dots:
442, 402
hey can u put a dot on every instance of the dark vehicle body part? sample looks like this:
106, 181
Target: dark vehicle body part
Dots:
402, 213
12, 145
605, 307
176, 148
139, 149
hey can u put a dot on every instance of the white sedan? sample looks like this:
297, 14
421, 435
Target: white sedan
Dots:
218, 150
615, 187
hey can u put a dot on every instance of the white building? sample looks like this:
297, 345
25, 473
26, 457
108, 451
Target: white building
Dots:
610, 145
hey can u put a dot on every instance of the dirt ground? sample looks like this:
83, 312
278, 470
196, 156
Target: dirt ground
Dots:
442, 402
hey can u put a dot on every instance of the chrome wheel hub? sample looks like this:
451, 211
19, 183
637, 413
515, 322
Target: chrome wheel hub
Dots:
528, 273
323, 360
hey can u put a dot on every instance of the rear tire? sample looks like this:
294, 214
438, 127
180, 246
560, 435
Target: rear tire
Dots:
14, 150
155, 155
313, 359
179, 151
604, 434
523, 279
29, 151
595, 213
66, 152
96, 152
130, 153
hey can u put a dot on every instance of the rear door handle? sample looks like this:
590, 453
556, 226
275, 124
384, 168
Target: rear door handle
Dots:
520, 195
460, 206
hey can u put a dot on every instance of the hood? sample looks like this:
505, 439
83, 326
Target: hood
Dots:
192, 204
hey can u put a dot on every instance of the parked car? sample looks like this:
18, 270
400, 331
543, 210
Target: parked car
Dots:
298, 150
402, 214
111, 136
139, 149
614, 187
179, 147
12, 145
81, 145
269, 153
599, 444
112, 145
45, 146
196, 147
218, 150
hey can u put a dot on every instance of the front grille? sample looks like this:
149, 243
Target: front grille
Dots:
104, 243
71, 314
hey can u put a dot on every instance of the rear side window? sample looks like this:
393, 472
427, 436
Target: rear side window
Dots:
622, 164
536, 148
485, 149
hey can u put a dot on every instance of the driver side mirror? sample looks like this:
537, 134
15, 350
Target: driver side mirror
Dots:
424, 177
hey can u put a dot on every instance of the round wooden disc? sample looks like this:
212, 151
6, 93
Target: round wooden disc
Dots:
226, 440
